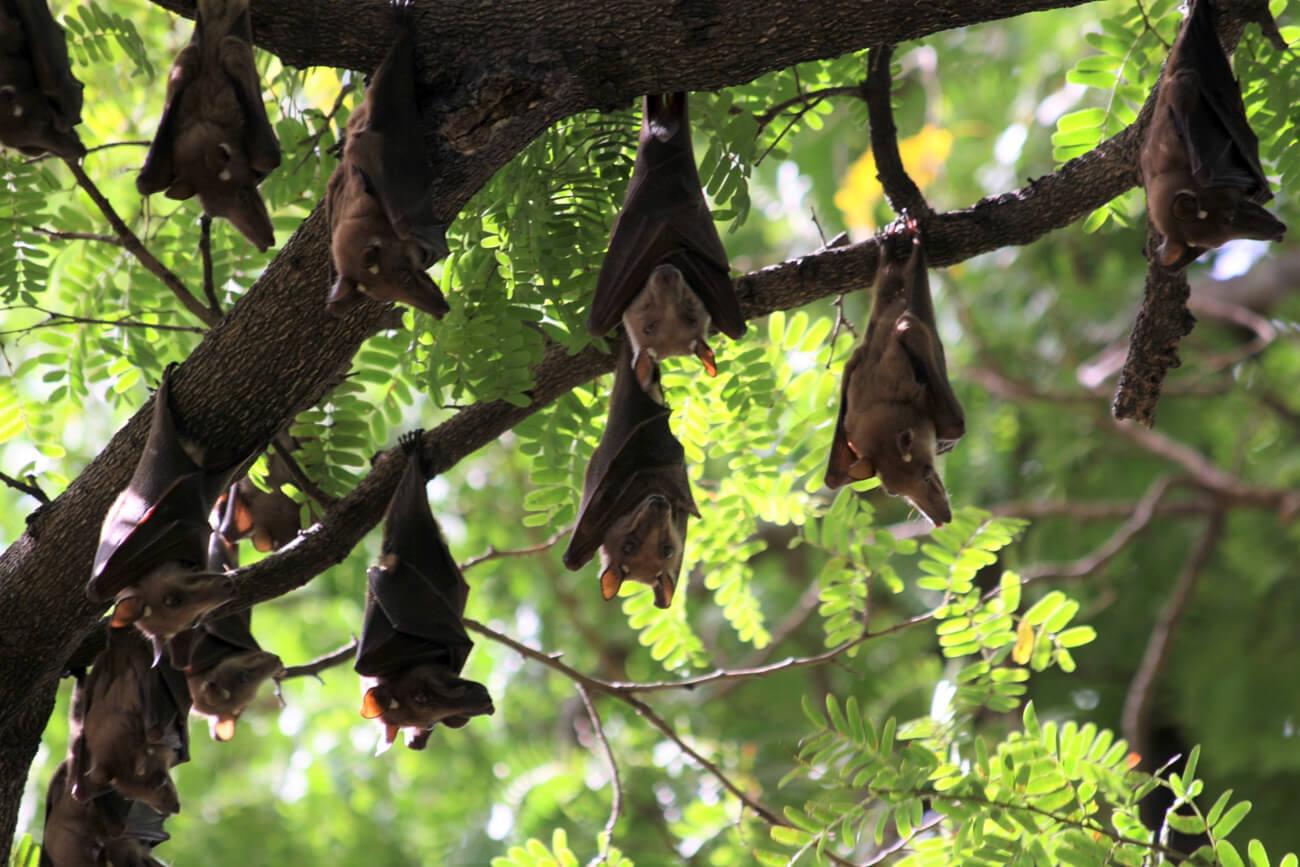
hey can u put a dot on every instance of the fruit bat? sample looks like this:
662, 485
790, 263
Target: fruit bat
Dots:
666, 273
214, 139
129, 725
222, 661
897, 409
107, 830
379, 201
1200, 161
271, 518
40, 100
154, 542
636, 496
413, 643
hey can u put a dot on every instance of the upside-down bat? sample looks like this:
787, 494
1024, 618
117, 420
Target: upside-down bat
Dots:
413, 643
40, 100
214, 139
154, 542
129, 725
271, 518
897, 409
666, 272
636, 496
108, 830
1200, 160
222, 661
379, 201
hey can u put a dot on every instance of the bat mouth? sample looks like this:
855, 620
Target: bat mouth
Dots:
1255, 222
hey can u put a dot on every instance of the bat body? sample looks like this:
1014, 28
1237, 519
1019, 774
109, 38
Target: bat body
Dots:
666, 274
379, 201
897, 408
154, 542
130, 725
214, 139
1200, 161
271, 518
636, 496
109, 830
223, 664
413, 643
40, 100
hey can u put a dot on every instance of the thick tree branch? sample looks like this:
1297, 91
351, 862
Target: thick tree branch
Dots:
903, 193
1162, 323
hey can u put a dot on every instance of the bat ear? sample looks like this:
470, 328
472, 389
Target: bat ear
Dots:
664, 588
372, 705
1170, 252
610, 581
128, 610
417, 740
342, 297
905, 441
706, 356
861, 469
456, 722
243, 515
222, 729
644, 367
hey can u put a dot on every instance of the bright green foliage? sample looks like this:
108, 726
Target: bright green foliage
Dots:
907, 715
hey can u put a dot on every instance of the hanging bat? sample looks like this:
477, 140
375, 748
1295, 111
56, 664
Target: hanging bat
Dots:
666, 274
154, 542
1200, 161
223, 664
130, 725
897, 409
107, 830
636, 496
214, 139
271, 518
379, 201
413, 643
40, 100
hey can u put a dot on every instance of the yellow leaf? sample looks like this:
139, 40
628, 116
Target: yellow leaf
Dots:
1024, 648
923, 156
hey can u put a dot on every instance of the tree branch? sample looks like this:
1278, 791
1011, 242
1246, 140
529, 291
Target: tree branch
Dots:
903, 194
321, 663
616, 800
29, 487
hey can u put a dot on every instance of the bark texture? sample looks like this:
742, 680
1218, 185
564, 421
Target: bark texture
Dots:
494, 76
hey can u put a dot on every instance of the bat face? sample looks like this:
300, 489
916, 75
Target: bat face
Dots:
223, 692
421, 697
271, 518
667, 318
214, 139
40, 100
1200, 159
370, 257
644, 545
904, 458
170, 598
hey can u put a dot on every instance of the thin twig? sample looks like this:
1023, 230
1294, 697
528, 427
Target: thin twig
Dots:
321, 663
1149, 26
1141, 691
308, 145
300, 477
55, 319
904, 195
136, 247
77, 236
616, 803
95, 149
205, 253
803, 99
493, 554
901, 844
1238, 314
29, 487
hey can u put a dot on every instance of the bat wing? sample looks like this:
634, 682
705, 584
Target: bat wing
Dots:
842, 457
144, 823
166, 703
408, 623
159, 170
1223, 148
925, 353
390, 152
260, 142
49, 55
206, 645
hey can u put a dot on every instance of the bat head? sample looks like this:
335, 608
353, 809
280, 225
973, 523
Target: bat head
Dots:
169, 598
906, 465
211, 161
371, 258
142, 776
271, 518
667, 318
242, 205
223, 692
1188, 217
422, 696
644, 545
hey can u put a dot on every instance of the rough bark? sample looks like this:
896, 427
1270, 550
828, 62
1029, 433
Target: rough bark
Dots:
494, 77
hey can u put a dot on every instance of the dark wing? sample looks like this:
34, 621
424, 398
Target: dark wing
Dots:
145, 824
665, 218
159, 170
925, 352
260, 142
1223, 148
166, 702
49, 55
162, 514
390, 151
842, 457
408, 623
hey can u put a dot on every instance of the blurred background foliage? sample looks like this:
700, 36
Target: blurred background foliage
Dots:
777, 566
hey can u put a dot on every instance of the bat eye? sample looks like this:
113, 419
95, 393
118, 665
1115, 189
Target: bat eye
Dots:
649, 328
422, 698
173, 600
629, 548
243, 677
667, 551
